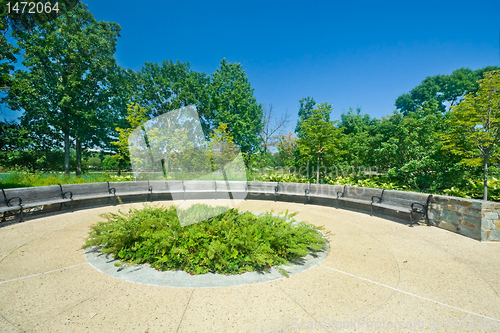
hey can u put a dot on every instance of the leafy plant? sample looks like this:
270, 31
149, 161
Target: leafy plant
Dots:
232, 242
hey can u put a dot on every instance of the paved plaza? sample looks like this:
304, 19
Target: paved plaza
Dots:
379, 275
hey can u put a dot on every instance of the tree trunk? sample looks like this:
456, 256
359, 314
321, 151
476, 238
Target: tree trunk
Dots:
66, 152
485, 188
78, 157
317, 176
119, 167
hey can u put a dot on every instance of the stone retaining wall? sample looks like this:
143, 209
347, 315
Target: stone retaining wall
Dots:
476, 219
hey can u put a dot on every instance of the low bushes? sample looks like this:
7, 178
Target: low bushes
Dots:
232, 242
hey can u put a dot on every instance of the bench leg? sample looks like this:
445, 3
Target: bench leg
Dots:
371, 209
3, 217
411, 219
21, 216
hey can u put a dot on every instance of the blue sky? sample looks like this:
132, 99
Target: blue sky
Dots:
359, 53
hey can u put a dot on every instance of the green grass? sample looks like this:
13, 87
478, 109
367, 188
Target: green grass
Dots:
232, 242
24, 179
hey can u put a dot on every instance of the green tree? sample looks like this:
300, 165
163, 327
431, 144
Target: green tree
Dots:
305, 112
361, 137
65, 91
286, 148
7, 52
442, 89
136, 116
321, 141
474, 133
232, 102
169, 86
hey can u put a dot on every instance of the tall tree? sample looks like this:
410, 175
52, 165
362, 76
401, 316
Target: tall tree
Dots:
168, 86
474, 133
271, 128
66, 87
287, 144
306, 106
321, 141
444, 90
232, 102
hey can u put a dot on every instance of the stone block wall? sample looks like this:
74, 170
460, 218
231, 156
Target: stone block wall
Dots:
476, 219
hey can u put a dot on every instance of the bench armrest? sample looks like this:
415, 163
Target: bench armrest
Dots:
340, 193
379, 199
422, 206
112, 190
307, 191
9, 204
70, 195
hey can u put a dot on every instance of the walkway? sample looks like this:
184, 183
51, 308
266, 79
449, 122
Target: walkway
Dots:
378, 274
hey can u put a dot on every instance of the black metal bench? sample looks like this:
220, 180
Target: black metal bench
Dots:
132, 188
43, 195
266, 188
359, 195
296, 189
325, 191
88, 191
408, 202
9, 204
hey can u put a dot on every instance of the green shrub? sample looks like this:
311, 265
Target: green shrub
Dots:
232, 242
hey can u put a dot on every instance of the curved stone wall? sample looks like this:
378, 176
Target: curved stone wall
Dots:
476, 219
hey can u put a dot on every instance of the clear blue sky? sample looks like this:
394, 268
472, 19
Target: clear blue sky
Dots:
359, 53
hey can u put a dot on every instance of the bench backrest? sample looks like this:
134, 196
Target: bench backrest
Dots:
35, 194
130, 187
175, 186
159, 186
403, 199
266, 187
325, 190
361, 193
7, 195
293, 188
87, 189
199, 185
232, 185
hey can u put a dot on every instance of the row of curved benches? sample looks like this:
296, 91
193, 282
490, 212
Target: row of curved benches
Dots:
21, 199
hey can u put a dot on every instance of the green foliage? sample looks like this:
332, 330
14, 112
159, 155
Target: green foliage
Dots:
321, 142
111, 163
305, 112
64, 91
441, 89
26, 179
232, 242
232, 102
286, 148
474, 126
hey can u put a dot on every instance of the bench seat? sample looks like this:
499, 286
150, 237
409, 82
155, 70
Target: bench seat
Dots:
407, 202
44, 195
9, 203
131, 188
88, 191
359, 195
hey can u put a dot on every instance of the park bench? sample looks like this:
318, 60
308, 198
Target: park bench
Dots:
33, 197
9, 204
89, 191
359, 195
408, 202
296, 189
265, 188
235, 188
123, 189
325, 191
